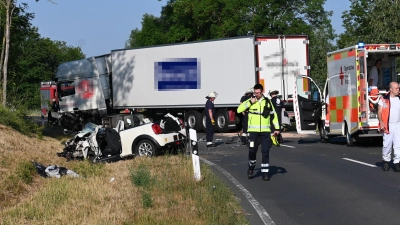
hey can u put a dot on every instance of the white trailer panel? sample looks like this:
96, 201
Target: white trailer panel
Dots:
280, 60
182, 75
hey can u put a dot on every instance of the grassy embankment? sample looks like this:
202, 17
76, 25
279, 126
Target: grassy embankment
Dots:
158, 190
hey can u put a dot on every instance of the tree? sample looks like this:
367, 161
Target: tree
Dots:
187, 20
41, 57
371, 22
31, 58
9, 6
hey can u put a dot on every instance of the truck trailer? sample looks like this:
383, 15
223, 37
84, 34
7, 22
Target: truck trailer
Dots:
347, 106
176, 78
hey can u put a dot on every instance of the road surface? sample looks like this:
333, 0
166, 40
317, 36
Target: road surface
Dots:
311, 182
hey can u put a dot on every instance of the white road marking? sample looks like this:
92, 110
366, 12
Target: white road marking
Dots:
289, 146
352, 160
260, 210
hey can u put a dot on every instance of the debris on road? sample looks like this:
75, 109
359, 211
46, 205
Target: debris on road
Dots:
53, 171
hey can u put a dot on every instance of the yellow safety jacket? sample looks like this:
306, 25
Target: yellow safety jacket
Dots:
257, 122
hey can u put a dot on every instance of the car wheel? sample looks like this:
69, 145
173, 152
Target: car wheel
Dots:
145, 148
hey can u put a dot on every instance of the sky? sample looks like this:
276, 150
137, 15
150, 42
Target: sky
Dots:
99, 26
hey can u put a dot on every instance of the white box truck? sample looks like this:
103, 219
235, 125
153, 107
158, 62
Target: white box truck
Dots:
346, 107
176, 78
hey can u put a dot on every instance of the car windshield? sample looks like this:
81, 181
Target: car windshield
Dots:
89, 127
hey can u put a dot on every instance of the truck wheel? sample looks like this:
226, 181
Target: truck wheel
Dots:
193, 120
145, 148
222, 121
203, 121
349, 138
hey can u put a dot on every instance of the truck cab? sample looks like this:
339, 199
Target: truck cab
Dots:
48, 92
84, 91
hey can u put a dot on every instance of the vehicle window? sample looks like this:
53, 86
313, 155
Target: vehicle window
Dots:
314, 90
45, 95
362, 65
67, 88
44, 98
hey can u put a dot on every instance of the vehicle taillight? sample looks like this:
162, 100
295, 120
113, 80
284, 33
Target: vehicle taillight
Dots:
156, 128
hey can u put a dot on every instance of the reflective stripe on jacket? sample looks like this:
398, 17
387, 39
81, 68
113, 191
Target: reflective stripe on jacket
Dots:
258, 123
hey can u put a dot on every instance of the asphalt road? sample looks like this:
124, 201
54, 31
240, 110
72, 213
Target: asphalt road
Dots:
311, 182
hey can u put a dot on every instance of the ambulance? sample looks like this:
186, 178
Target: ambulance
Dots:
345, 107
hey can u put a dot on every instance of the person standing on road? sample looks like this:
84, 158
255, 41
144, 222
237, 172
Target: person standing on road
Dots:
389, 124
261, 111
210, 122
278, 105
244, 136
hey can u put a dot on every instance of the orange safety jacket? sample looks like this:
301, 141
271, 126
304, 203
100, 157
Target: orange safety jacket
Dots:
385, 113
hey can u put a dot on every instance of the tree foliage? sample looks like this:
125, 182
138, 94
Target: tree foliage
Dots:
186, 20
32, 58
371, 21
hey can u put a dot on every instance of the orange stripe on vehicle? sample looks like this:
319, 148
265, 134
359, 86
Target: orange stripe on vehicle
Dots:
339, 115
351, 53
332, 103
337, 56
345, 102
354, 115
305, 84
262, 83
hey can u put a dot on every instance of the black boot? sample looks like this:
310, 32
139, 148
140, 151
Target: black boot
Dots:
396, 167
265, 177
250, 172
386, 166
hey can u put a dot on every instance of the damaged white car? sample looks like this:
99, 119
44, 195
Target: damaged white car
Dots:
100, 144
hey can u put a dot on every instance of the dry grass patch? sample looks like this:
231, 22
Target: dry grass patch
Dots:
158, 190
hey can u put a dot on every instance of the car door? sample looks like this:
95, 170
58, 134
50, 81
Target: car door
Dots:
307, 105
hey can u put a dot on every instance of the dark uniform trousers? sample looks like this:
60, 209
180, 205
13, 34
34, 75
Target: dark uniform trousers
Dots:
209, 130
255, 139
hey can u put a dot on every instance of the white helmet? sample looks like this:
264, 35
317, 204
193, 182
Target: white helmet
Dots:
212, 95
273, 91
250, 91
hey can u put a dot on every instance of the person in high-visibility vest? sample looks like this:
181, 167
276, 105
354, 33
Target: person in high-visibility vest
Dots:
389, 124
261, 113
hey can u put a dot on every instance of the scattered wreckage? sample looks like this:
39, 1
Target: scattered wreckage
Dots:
103, 144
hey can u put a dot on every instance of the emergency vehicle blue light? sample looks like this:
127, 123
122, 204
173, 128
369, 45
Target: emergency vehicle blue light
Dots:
360, 44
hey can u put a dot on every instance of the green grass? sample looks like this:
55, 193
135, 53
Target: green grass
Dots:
157, 190
25, 171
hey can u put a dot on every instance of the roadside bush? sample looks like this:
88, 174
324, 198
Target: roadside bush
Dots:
18, 120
